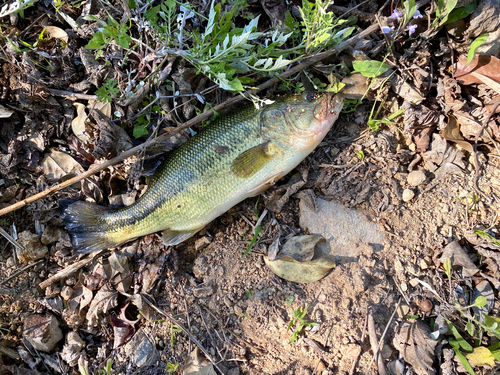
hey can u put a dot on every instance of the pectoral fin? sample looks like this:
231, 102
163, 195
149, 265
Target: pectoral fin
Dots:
252, 160
173, 237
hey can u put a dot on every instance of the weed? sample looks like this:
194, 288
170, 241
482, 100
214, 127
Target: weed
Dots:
17, 6
171, 367
108, 91
173, 330
257, 230
298, 322
110, 31
107, 370
249, 293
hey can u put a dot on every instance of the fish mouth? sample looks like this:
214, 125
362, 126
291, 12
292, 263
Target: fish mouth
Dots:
325, 108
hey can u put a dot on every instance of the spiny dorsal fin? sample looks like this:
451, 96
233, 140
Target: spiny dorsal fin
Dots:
252, 160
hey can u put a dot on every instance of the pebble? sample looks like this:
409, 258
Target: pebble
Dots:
140, 350
32, 247
72, 349
414, 282
403, 310
203, 292
201, 243
351, 351
51, 234
408, 195
66, 292
416, 178
42, 331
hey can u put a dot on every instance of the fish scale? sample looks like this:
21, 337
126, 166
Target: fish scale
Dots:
235, 157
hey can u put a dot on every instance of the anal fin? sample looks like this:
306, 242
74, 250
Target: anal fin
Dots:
173, 237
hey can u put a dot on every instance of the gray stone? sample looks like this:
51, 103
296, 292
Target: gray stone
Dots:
51, 234
42, 331
66, 292
347, 231
203, 292
201, 243
140, 350
416, 178
32, 247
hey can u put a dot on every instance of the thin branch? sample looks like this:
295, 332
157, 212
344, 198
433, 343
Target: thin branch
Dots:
237, 98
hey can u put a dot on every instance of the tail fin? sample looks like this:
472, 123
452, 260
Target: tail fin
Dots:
86, 225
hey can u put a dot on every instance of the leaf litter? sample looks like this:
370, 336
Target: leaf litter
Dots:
235, 303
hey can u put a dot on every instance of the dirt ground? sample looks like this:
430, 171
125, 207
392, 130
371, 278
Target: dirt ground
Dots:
420, 182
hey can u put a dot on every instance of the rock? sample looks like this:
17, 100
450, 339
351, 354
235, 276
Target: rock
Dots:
73, 348
200, 267
408, 195
42, 331
66, 292
414, 282
416, 178
140, 350
351, 351
403, 310
203, 292
233, 371
201, 243
347, 231
51, 234
32, 247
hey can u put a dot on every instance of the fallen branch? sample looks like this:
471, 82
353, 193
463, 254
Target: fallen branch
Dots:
97, 168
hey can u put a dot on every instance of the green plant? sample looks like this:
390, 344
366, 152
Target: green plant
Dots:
173, 330
256, 233
443, 11
108, 91
319, 26
171, 367
107, 370
110, 31
249, 293
17, 6
488, 236
298, 323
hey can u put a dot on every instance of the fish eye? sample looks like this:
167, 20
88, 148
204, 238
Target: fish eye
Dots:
310, 96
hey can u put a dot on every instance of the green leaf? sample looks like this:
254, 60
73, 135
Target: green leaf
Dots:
470, 328
445, 7
410, 9
140, 130
96, 42
480, 301
370, 68
458, 337
447, 267
463, 361
461, 13
474, 46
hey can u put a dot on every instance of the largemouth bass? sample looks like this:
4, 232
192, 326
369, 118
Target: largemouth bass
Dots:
236, 157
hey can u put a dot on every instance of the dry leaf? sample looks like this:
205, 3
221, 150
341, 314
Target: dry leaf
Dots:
78, 123
452, 133
491, 83
197, 364
57, 164
57, 32
303, 259
104, 300
415, 345
4, 112
81, 297
122, 331
482, 64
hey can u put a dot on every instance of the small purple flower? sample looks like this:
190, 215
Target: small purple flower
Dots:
396, 14
417, 14
411, 28
387, 29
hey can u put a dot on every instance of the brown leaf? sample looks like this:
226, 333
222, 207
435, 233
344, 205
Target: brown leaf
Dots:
57, 32
415, 345
57, 165
452, 133
104, 300
482, 64
80, 298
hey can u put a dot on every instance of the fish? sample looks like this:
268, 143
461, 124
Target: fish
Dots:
237, 156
